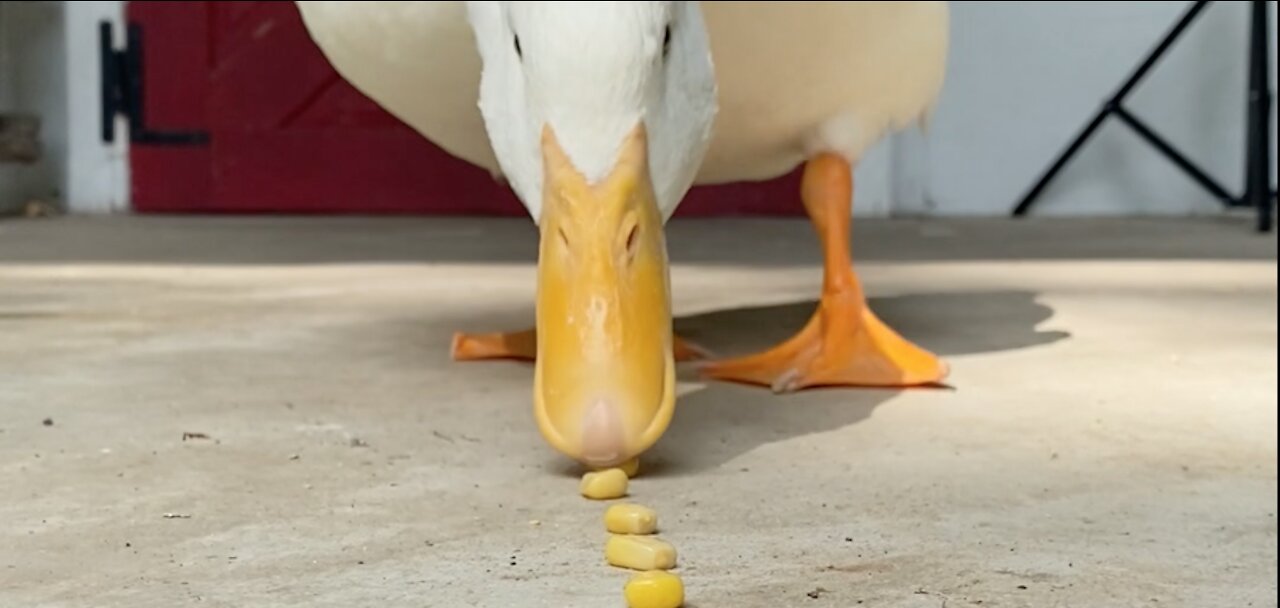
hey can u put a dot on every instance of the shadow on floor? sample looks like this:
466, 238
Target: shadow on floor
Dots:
716, 422
722, 421
945, 323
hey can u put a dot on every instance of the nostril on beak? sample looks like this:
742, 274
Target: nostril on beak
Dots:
603, 439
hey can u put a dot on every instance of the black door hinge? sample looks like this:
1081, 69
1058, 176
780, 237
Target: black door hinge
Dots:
122, 93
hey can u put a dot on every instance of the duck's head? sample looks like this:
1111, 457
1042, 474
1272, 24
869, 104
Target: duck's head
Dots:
600, 114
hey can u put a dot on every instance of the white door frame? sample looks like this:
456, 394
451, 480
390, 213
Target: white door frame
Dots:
96, 178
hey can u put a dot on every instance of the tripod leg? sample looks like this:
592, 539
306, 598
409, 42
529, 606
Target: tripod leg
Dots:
1258, 129
1030, 198
1115, 102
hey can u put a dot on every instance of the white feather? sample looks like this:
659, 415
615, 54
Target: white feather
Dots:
592, 71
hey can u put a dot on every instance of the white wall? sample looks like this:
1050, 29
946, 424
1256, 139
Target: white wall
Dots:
1025, 77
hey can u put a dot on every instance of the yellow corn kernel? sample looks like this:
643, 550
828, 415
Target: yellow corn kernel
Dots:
604, 485
654, 590
642, 553
630, 519
631, 467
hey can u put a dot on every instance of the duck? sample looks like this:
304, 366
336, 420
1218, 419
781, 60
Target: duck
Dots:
601, 117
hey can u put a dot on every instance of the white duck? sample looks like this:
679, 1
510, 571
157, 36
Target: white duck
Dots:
600, 115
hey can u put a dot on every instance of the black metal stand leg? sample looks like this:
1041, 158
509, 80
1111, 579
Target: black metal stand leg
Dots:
1258, 194
1110, 106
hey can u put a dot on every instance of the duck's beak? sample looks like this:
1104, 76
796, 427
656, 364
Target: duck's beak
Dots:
604, 381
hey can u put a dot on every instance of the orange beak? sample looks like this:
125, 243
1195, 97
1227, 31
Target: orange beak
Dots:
604, 380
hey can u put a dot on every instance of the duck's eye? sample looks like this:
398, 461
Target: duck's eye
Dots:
519, 52
666, 42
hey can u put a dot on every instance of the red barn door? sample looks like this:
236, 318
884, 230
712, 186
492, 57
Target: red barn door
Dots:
243, 114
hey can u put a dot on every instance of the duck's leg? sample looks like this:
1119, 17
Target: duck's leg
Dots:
523, 346
844, 343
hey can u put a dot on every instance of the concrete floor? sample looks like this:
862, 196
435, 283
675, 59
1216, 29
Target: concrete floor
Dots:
1110, 439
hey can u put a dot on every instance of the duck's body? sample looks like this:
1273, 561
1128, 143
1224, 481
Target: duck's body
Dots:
600, 116
800, 78
794, 78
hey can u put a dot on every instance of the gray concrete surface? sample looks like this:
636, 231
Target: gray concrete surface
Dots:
1110, 439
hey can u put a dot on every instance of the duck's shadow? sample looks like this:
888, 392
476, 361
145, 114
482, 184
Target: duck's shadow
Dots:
716, 422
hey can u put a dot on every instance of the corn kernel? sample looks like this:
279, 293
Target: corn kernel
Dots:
604, 485
654, 590
631, 467
640, 553
630, 519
